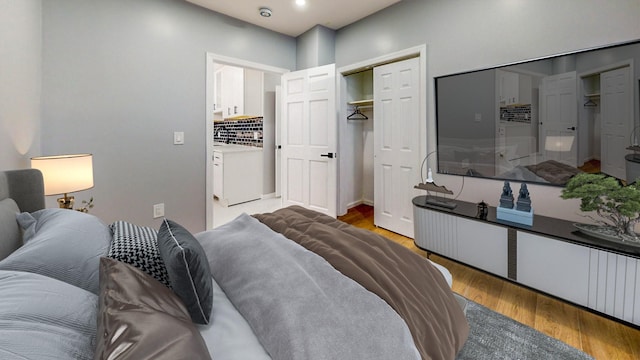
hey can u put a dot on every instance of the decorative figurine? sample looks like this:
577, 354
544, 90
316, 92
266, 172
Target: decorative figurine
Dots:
483, 210
524, 201
506, 199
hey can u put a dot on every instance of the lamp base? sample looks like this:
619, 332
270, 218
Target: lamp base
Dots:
66, 202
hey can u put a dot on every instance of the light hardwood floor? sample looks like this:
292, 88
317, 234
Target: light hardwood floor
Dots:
598, 336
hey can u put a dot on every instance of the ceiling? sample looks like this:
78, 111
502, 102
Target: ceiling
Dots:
290, 19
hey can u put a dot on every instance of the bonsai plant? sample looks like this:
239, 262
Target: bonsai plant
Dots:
616, 206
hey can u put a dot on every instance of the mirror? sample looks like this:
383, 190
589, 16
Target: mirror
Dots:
542, 121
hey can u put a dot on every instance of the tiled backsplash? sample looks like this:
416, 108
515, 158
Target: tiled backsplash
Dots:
519, 113
239, 131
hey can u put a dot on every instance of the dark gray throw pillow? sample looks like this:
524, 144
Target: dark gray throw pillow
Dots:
188, 268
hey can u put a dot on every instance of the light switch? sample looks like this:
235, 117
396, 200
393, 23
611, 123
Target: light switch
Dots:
178, 138
478, 117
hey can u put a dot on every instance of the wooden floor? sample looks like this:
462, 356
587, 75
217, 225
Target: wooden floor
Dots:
596, 335
591, 166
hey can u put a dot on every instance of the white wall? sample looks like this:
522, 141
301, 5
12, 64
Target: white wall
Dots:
467, 35
20, 81
120, 76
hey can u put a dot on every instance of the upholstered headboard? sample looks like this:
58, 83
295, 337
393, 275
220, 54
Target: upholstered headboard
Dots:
20, 190
25, 187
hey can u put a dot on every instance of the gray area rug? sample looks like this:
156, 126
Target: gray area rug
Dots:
495, 336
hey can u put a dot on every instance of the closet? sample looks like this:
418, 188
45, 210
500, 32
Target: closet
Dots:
359, 122
383, 134
606, 117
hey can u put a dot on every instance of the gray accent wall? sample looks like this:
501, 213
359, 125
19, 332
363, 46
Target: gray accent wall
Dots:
271, 81
20, 81
316, 47
119, 77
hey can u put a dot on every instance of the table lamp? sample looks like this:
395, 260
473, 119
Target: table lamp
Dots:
63, 174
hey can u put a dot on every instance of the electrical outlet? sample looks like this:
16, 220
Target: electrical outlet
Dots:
178, 138
158, 210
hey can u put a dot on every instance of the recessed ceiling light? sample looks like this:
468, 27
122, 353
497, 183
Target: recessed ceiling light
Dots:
265, 12
301, 2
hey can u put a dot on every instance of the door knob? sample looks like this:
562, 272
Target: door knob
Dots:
329, 155
571, 128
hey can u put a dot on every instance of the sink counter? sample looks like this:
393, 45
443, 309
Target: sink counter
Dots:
228, 148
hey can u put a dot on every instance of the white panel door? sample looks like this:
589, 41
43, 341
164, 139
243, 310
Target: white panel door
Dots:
559, 118
396, 144
309, 139
616, 120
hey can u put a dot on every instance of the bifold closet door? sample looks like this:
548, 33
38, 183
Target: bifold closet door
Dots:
616, 124
396, 143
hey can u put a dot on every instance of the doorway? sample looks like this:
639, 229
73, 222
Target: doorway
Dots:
356, 137
269, 78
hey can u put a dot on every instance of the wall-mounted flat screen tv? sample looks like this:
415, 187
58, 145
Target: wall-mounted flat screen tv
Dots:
541, 121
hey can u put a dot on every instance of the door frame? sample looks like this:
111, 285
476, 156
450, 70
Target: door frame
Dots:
211, 59
420, 52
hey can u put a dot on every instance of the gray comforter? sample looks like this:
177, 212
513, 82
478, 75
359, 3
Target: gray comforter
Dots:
297, 304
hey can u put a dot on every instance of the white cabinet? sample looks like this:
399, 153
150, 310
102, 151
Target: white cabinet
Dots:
237, 174
508, 87
513, 88
597, 279
483, 245
614, 285
549, 258
218, 183
479, 244
238, 92
553, 266
514, 144
229, 85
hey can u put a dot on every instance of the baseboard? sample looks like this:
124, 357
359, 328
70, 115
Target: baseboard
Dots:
359, 202
268, 196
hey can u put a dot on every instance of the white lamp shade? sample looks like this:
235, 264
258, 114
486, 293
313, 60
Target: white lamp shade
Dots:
65, 173
558, 143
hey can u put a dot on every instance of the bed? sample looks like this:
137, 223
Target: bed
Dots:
548, 171
292, 284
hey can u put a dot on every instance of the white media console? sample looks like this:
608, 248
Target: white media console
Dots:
549, 256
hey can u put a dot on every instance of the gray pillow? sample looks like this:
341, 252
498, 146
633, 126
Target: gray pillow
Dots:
11, 236
44, 318
188, 268
140, 318
62, 244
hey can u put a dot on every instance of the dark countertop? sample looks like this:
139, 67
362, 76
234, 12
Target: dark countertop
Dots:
542, 225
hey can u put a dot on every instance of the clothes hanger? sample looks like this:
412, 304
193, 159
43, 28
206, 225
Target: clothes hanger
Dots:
590, 103
357, 115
